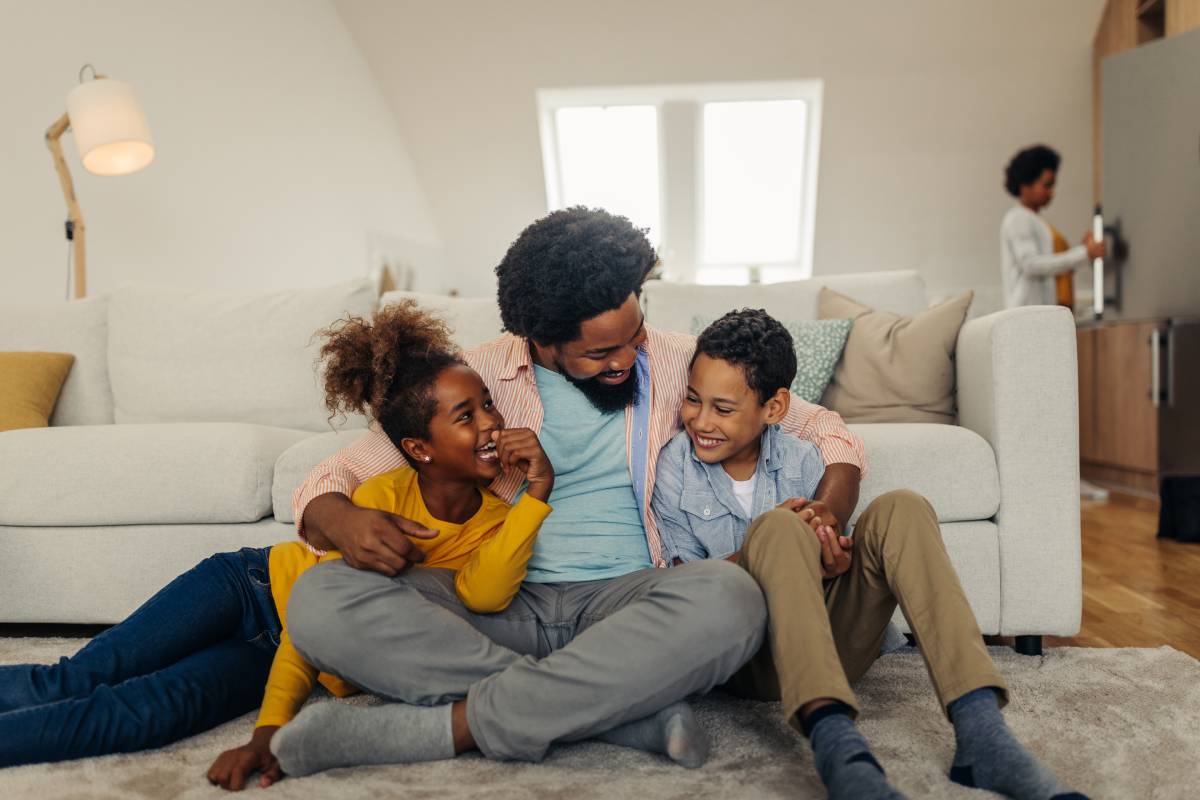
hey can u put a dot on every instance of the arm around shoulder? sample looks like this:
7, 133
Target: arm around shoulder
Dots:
827, 431
340, 474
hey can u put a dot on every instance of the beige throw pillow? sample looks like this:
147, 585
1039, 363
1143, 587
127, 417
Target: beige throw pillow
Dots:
895, 368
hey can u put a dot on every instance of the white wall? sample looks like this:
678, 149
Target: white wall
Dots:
925, 101
278, 157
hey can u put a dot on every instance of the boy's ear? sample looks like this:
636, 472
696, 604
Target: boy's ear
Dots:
777, 406
417, 449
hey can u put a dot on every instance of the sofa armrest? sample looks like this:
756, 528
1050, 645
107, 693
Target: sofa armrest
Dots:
1017, 388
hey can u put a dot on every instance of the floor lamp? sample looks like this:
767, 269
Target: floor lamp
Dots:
113, 139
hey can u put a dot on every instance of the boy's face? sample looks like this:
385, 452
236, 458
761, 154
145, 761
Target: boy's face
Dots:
722, 415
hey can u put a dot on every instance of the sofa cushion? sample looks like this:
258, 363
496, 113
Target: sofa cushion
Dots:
80, 328
294, 464
196, 356
895, 368
29, 386
671, 306
86, 575
139, 474
472, 320
952, 467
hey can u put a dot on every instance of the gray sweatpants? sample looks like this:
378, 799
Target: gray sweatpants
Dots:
564, 661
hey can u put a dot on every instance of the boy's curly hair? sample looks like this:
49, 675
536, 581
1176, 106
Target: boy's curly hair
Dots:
757, 343
567, 267
386, 367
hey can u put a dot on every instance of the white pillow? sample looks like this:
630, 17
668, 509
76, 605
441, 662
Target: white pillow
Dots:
473, 320
78, 327
198, 356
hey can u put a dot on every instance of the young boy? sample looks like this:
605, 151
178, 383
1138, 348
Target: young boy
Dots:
732, 485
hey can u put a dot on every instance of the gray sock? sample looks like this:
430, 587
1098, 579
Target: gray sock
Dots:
673, 732
845, 763
990, 757
332, 734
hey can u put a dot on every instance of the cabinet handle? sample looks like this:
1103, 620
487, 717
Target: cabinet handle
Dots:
1170, 392
1155, 378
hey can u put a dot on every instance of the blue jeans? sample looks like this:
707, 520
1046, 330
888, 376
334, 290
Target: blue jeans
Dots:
195, 655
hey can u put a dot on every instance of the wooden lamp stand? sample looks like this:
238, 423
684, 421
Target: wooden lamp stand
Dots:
75, 229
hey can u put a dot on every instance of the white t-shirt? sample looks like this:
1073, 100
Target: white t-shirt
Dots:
744, 492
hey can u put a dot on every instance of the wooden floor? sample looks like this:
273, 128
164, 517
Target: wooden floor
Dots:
1138, 591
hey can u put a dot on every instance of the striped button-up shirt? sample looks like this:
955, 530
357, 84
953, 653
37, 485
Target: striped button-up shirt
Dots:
506, 366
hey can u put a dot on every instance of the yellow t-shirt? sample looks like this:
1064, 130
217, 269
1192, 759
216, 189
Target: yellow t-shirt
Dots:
490, 552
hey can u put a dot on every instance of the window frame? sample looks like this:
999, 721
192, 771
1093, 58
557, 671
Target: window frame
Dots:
673, 239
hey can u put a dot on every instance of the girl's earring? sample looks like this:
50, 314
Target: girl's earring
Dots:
427, 459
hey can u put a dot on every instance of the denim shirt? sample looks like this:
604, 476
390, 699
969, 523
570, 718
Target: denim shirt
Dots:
697, 513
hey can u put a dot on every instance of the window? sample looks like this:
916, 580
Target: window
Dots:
723, 175
608, 157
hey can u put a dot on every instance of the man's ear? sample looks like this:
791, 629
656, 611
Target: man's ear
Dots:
417, 449
777, 406
543, 353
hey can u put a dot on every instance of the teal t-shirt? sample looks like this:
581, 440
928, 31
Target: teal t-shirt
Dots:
596, 529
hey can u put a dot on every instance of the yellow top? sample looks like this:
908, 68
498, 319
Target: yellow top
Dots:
1060, 241
490, 551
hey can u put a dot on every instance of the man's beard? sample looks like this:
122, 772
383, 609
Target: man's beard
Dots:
606, 397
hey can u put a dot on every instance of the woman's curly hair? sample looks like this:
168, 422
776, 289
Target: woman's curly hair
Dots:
386, 367
758, 343
1027, 166
567, 267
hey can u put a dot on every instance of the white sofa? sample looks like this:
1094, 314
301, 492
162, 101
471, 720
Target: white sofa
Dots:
190, 418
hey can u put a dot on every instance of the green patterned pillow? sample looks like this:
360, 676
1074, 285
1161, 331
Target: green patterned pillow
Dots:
819, 344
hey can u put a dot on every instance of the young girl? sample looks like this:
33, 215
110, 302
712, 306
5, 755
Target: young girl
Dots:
403, 369
199, 652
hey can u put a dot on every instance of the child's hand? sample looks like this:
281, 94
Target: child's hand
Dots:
519, 448
814, 512
233, 767
835, 549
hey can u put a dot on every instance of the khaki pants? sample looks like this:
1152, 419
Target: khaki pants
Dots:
824, 635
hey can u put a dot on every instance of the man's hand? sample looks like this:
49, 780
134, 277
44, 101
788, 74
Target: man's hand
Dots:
367, 538
836, 549
519, 448
1095, 248
233, 767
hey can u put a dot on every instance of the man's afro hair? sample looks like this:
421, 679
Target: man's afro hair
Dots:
567, 267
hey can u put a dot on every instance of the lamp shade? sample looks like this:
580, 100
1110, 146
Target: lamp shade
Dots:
110, 128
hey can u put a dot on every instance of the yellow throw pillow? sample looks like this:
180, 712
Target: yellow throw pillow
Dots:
895, 368
29, 387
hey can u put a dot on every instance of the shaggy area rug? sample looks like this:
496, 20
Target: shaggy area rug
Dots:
1119, 723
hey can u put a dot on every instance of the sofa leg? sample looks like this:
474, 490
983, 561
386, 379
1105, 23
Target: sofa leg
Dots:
1028, 645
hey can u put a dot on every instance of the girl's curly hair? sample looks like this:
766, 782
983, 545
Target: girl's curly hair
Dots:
386, 367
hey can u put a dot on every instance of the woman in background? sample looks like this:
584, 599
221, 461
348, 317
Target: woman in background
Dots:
1036, 261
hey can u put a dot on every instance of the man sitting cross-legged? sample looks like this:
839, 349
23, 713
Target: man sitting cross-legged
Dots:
597, 636
732, 465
